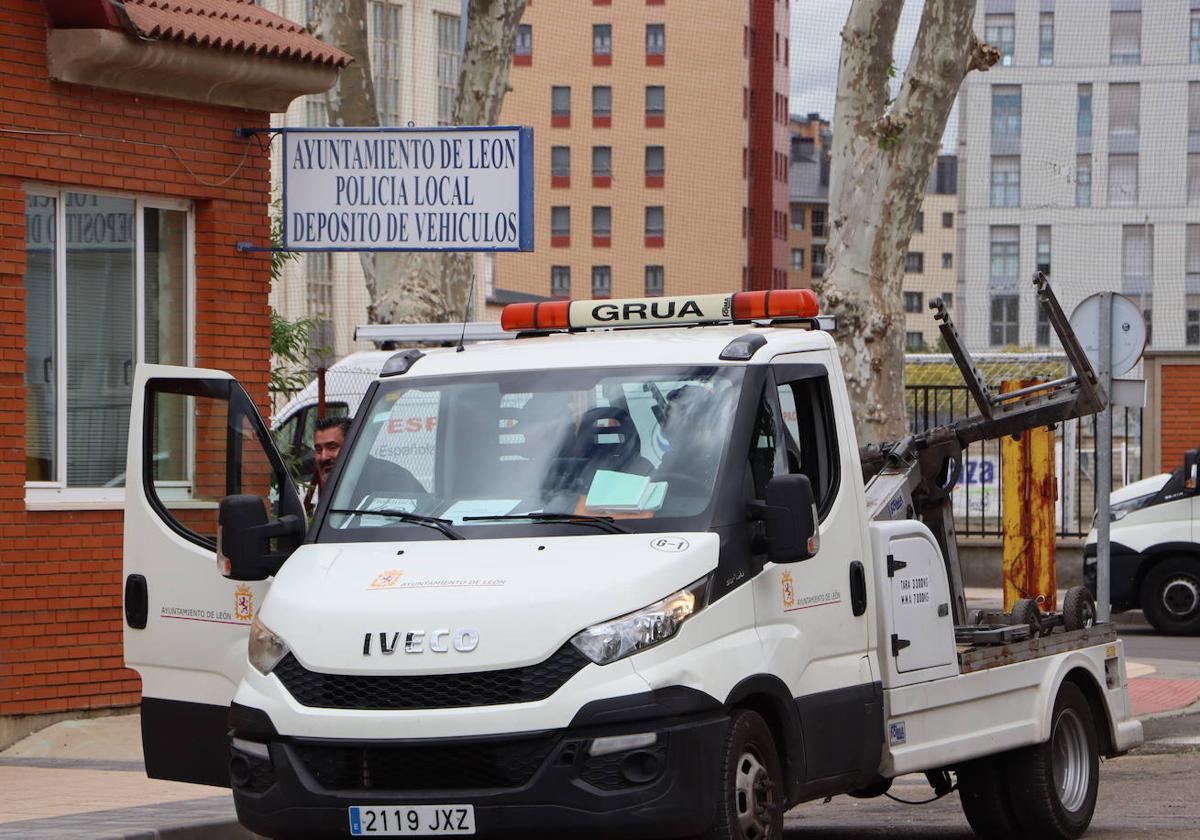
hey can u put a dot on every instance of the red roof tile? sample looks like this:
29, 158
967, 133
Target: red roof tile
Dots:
235, 25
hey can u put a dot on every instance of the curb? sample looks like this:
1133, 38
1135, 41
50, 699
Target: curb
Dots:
208, 830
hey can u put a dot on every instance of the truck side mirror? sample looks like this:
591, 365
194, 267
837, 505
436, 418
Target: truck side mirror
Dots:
790, 515
244, 534
1191, 462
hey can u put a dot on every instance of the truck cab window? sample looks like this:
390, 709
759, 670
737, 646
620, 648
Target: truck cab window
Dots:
810, 438
767, 455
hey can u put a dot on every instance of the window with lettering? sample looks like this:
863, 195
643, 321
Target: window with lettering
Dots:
107, 281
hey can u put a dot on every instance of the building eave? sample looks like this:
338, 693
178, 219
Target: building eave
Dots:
109, 59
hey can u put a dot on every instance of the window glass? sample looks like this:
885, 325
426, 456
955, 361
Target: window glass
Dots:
560, 280
560, 101
656, 39
947, 260
1122, 180
656, 100
913, 302
654, 221
797, 259
602, 160
1124, 107
524, 42
654, 280
601, 281
100, 336
1193, 180
914, 262
386, 66
1083, 181
947, 220
1005, 253
1004, 324
914, 341
1194, 43
810, 437
1125, 37
166, 253
41, 337
449, 58
1046, 39
999, 31
1083, 113
560, 161
601, 221
560, 221
655, 160
602, 39
1006, 111
1006, 182
602, 100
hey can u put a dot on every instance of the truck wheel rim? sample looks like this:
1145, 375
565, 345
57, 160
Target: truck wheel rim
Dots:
754, 797
1181, 596
1072, 770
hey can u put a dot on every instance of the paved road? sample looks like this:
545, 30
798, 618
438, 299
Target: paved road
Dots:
1175, 657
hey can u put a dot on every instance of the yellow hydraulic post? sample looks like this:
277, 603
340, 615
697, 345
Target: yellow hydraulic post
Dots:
1028, 494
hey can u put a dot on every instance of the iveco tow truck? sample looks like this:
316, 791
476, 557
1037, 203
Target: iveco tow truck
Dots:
626, 574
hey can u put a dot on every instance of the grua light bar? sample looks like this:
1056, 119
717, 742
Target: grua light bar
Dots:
660, 311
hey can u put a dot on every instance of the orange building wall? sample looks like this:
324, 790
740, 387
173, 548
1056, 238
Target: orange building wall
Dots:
1180, 406
60, 572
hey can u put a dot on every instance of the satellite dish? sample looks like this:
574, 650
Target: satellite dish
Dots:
1127, 331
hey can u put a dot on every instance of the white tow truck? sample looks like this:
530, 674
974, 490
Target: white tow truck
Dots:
627, 574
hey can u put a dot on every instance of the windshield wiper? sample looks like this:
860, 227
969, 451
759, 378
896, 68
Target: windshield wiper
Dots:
443, 525
605, 523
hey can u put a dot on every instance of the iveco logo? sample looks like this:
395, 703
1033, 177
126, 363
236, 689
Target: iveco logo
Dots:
418, 641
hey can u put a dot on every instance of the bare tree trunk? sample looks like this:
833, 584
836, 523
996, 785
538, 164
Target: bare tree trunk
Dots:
435, 285
882, 155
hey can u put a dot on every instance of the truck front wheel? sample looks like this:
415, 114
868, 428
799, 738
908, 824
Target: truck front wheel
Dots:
1171, 597
751, 796
1052, 786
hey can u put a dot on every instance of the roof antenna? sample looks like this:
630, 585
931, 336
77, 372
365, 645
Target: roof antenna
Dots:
466, 315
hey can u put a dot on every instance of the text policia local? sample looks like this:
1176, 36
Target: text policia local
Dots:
404, 190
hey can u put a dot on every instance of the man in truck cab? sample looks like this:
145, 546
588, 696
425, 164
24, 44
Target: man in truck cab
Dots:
329, 437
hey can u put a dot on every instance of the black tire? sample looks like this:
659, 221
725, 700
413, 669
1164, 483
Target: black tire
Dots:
983, 793
1079, 608
1026, 611
1052, 786
1171, 597
750, 795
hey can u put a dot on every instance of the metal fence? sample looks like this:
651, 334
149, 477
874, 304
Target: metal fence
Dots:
976, 496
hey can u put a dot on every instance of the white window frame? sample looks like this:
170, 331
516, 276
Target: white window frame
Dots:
57, 495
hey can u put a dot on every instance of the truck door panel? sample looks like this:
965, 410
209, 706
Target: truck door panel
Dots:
805, 609
195, 437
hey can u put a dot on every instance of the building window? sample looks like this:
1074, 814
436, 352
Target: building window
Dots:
560, 162
1192, 283
1041, 335
1137, 261
797, 218
560, 281
656, 40
601, 103
1043, 249
602, 161
818, 224
914, 341
1006, 181
999, 31
914, 302
656, 104
601, 281
797, 259
654, 280
656, 161
1083, 181
947, 259
318, 284
449, 59
1193, 180
314, 111
560, 102
523, 46
1004, 264
601, 43
919, 224
1006, 112
947, 220
654, 223
1194, 50
1005, 326
108, 297
1124, 112
914, 262
818, 261
948, 299
602, 223
1083, 111
385, 60
1046, 39
560, 222
1125, 37
1122, 180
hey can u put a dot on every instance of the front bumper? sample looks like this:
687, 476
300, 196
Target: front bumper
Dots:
527, 785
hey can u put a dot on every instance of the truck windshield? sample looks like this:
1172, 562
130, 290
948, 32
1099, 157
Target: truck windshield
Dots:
641, 446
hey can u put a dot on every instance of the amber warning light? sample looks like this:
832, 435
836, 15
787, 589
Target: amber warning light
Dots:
682, 309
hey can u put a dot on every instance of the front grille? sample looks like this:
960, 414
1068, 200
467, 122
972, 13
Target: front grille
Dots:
430, 691
262, 775
471, 765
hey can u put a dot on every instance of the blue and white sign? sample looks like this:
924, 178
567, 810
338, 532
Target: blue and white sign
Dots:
408, 189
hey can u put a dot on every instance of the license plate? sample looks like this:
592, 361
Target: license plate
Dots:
412, 820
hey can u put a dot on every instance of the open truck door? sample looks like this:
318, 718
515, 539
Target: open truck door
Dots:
195, 437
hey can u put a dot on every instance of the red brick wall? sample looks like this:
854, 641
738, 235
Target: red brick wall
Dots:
1179, 412
60, 572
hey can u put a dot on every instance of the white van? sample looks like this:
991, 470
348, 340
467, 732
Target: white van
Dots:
627, 582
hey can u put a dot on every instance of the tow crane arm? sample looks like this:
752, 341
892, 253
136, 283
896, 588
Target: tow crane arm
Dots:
912, 477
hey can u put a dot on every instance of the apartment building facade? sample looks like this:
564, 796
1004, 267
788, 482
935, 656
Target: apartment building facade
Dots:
808, 199
930, 266
1080, 157
662, 144
415, 54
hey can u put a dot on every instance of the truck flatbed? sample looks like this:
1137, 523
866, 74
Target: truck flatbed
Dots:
973, 658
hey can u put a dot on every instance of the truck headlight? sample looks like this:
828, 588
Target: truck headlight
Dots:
1122, 509
266, 649
612, 640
